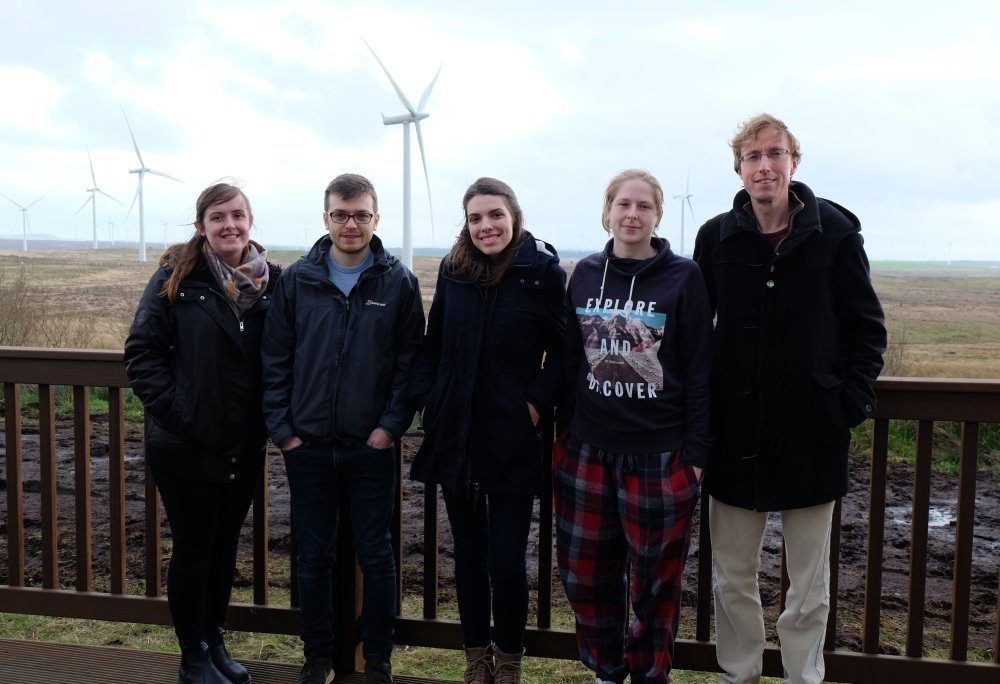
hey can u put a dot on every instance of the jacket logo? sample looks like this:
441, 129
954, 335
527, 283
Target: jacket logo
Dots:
372, 302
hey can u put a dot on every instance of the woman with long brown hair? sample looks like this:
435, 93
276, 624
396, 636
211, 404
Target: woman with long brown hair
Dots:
193, 358
487, 379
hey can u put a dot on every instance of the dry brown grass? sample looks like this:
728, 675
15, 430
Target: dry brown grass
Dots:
942, 322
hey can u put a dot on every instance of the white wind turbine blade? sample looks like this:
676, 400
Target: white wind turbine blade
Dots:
35, 202
138, 191
92, 176
134, 143
85, 203
399, 92
110, 197
160, 173
11, 201
427, 93
427, 178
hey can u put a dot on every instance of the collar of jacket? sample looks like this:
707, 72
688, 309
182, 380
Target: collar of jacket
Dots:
316, 257
806, 216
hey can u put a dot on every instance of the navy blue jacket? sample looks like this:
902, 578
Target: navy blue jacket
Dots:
196, 368
337, 367
481, 363
799, 338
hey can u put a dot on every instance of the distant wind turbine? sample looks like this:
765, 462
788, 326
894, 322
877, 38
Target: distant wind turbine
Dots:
413, 116
142, 171
686, 197
24, 217
93, 198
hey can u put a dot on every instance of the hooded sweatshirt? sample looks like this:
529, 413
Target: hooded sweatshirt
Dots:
638, 354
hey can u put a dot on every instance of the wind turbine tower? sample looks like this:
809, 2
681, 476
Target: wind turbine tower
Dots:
93, 198
685, 198
414, 116
24, 218
142, 171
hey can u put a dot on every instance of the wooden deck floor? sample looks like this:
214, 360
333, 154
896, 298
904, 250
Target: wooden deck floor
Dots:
39, 662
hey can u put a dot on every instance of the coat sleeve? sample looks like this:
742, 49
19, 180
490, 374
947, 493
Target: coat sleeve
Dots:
703, 247
147, 356
428, 360
694, 351
545, 388
572, 358
862, 324
278, 357
409, 335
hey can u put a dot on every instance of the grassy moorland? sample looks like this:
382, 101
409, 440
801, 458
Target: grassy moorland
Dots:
944, 321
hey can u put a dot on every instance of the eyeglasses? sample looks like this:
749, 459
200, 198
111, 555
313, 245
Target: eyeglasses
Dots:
360, 218
755, 157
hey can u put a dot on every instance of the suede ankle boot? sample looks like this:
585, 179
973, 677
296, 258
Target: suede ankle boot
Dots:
508, 669
224, 663
479, 665
197, 667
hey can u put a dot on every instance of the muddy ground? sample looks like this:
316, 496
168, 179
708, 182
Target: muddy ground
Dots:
854, 532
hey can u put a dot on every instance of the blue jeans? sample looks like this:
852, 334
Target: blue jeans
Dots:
320, 478
491, 542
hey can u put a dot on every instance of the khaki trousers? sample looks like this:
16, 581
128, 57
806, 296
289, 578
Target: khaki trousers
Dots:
737, 538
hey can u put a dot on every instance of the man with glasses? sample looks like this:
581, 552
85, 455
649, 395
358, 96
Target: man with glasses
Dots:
345, 324
799, 338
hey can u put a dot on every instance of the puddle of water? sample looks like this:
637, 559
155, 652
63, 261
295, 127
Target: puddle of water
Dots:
937, 516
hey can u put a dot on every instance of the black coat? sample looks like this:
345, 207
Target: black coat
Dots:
799, 339
481, 363
196, 368
337, 367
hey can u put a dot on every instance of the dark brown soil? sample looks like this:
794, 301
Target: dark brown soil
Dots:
854, 539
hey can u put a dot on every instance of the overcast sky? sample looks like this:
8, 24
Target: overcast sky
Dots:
896, 105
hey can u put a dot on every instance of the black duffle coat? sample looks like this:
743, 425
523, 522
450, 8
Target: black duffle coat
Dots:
798, 344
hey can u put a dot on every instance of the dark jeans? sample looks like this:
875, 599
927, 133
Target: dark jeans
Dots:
491, 541
320, 477
205, 521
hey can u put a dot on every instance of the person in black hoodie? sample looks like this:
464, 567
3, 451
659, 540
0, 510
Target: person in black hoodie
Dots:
193, 358
634, 436
799, 338
487, 376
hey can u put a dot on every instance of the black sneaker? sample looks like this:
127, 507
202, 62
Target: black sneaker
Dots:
317, 670
377, 672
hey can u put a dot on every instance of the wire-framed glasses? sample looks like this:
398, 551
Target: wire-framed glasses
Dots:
755, 157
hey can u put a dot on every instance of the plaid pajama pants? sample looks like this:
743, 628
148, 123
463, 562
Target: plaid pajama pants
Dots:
615, 514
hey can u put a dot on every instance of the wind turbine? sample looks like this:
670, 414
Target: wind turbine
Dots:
142, 171
24, 217
93, 198
686, 197
413, 116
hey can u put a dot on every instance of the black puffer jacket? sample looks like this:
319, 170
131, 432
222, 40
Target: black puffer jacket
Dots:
799, 339
481, 363
196, 368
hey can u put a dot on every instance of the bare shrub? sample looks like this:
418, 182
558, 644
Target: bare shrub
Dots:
895, 354
19, 322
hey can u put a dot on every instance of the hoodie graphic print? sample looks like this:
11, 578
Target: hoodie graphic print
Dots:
638, 354
621, 342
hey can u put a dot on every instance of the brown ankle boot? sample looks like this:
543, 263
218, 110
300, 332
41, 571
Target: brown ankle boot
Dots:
479, 665
508, 668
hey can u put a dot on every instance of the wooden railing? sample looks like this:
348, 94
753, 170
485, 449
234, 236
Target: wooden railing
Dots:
136, 596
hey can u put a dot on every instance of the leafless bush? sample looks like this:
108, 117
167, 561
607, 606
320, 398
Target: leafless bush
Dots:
895, 354
19, 322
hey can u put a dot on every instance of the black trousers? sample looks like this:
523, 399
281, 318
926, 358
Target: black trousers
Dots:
205, 521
